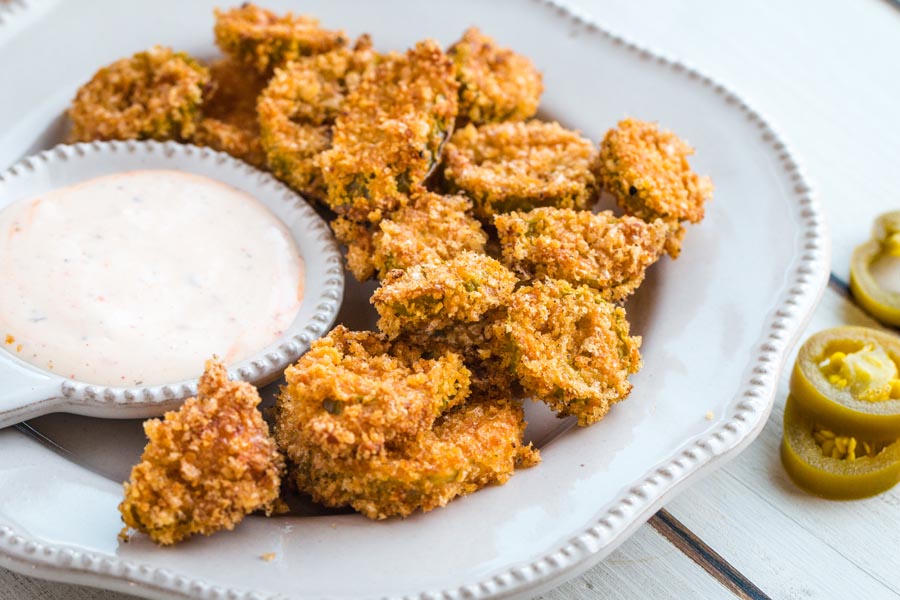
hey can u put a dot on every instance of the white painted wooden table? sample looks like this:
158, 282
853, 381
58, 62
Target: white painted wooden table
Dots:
827, 75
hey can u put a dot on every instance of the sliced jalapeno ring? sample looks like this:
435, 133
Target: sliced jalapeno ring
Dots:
847, 378
835, 466
875, 270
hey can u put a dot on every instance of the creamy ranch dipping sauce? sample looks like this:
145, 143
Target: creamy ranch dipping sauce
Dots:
137, 278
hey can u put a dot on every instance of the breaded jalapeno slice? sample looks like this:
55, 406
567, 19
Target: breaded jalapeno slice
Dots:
298, 108
519, 166
349, 396
262, 40
228, 116
607, 253
431, 228
155, 94
390, 132
473, 342
646, 168
495, 83
389, 434
433, 296
476, 444
206, 465
569, 348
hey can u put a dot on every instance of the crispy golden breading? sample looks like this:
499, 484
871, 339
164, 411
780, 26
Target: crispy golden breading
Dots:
348, 396
430, 297
387, 432
569, 347
473, 342
497, 282
360, 246
390, 133
519, 166
228, 121
205, 466
431, 228
298, 108
489, 375
647, 171
263, 40
496, 84
473, 445
607, 253
155, 94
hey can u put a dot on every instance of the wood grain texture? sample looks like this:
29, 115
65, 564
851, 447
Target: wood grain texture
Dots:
791, 544
14, 586
647, 565
680, 536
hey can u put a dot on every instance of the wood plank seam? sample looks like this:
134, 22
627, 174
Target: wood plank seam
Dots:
839, 285
836, 548
708, 559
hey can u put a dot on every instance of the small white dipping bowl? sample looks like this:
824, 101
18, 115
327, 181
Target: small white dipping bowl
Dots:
27, 391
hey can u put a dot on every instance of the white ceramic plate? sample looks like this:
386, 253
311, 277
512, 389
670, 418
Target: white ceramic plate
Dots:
716, 323
29, 391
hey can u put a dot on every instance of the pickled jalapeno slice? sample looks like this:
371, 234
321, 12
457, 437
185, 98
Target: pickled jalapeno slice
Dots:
847, 378
875, 270
836, 465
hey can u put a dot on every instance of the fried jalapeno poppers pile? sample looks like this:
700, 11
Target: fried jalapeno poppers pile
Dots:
647, 171
519, 166
497, 282
164, 95
389, 435
206, 466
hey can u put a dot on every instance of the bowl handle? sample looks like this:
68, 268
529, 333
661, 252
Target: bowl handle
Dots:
26, 393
